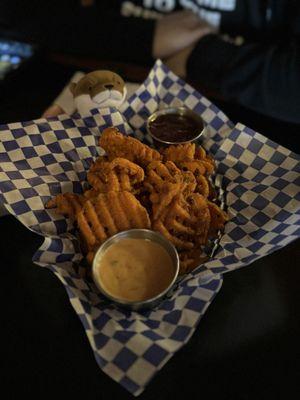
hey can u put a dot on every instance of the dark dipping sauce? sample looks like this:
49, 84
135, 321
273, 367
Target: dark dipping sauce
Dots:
175, 128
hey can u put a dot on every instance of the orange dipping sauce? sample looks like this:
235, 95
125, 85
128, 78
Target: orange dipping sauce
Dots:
135, 269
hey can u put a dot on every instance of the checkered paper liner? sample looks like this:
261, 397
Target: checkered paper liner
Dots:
41, 158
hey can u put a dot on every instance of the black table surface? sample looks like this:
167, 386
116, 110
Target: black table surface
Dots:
245, 347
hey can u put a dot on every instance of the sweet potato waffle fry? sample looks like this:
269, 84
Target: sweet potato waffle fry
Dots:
134, 186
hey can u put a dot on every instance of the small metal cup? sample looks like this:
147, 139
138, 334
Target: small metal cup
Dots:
137, 234
180, 111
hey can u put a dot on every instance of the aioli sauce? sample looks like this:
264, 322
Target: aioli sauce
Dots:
174, 128
135, 269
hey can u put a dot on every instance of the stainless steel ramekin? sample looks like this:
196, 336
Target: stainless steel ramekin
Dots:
137, 234
180, 111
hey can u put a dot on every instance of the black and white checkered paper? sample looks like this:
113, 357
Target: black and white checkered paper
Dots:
261, 181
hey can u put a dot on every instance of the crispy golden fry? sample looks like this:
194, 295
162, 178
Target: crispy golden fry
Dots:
158, 173
202, 186
200, 153
189, 182
160, 200
110, 213
200, 212
212, 196
218, 218
209, 166
117, 145
185, 222
198, 169
91, 193
101, 160
68, 204
194, 166
174, 223
164, 181
116, 175
190, 259
180, 152
133, 178
179, 242
207, 161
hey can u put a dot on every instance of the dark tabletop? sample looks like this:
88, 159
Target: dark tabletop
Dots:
245, 347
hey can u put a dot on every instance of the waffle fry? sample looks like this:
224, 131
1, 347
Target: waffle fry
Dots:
203, 186
107, 214
206, 161
134, 186
185, 222
190, 259
67, 204
194, 166
117, 145
90, 193
180, 152
200, 153
198, 169
158, 173
116, 175
189, 182
164, 181
161, 200
218, 218
97, 164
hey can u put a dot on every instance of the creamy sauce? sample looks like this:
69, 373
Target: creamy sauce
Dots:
135, 269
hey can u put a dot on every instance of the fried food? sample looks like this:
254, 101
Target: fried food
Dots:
194, 166
90, 193
185, 222
134, 186
179, 153
160, 200
189, 182
202, 186
158, 173
107, 214
190, 259
67, 204
116, 175
117, 145
195, 161
206, 161
99, 162
164, 181
198, 170
218, 218
198, 208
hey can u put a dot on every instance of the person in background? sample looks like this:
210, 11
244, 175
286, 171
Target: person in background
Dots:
247, 51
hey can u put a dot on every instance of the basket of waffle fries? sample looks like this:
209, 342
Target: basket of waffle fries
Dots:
54, 181
135, 186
